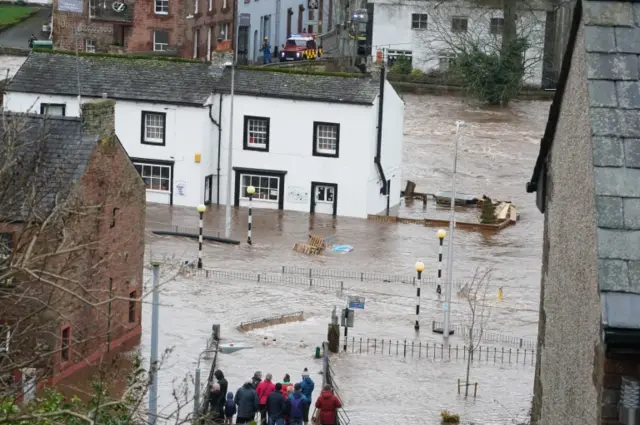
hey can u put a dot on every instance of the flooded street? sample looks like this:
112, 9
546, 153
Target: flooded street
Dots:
497, 152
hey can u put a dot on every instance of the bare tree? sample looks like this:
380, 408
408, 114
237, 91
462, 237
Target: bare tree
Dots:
477, 316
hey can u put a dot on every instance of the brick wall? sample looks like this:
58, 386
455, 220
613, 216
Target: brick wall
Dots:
98, 243
101, 33
205, 19
146, 21
610, 368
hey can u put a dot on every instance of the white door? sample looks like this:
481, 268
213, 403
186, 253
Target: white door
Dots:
324, 198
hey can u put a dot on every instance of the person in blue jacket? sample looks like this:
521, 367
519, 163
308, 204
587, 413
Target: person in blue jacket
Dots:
306, 388
266, 50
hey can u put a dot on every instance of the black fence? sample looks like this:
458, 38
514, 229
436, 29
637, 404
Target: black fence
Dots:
269, 278
363, 276
342, 416
490, 336
435, 351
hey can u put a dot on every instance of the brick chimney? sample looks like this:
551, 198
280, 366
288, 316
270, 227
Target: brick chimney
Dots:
98, 118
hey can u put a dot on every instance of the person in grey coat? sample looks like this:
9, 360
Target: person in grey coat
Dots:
247, 401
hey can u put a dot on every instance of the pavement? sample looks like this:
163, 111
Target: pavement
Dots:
18, 35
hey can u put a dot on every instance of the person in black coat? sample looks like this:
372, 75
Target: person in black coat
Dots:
224, 386
216, 399
276, 406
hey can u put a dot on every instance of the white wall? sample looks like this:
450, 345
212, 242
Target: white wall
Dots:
392, 31
291, 144
258, 9
188, 131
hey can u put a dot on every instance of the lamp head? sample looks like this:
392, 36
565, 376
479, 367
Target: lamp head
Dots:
419, 266
251, 190
441, 234
202, 208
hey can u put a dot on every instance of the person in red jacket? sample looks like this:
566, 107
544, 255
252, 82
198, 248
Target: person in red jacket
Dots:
328, 404
263, 390
286, 383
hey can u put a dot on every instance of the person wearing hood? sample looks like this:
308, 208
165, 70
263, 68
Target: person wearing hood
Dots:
265, 388
224, 386
328, 404
286, 383
216, 398
306, 387
257, 378
229, 409
297, 404
276, 406
247, 401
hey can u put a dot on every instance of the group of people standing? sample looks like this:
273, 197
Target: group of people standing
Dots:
281, 403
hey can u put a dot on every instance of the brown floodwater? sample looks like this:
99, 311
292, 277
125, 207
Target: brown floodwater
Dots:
497, 152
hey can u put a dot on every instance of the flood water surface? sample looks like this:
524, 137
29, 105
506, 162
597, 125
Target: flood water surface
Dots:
497, 152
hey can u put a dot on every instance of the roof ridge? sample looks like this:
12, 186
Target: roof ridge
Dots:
147, 57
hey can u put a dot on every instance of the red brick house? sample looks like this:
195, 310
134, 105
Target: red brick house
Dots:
187, 29
72, 210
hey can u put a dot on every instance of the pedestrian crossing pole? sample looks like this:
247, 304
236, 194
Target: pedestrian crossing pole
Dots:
419, 268
250, 191
201, 209
441, 235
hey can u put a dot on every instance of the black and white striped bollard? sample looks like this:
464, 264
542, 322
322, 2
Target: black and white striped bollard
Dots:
250, 191
441, 235
419, 269
201, 209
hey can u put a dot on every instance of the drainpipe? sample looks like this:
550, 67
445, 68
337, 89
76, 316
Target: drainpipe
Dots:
217, 124
378, 157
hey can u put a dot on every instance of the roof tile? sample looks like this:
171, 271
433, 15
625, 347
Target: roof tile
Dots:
632, 153
609, 211
613, 275
602, 93
627, 40
628, 94
608, 152
632, 213
599, 39
612, 66
619, 244
607, 13
151, 80
53, 154
629, 122
617, 181
605, 122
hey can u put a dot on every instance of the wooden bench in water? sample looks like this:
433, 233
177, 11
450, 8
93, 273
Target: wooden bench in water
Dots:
314, 245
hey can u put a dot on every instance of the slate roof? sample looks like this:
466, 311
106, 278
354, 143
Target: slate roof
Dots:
612, 49
47, 155
126, 78
310, 87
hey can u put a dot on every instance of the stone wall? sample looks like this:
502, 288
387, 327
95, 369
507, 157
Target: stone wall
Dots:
271, 321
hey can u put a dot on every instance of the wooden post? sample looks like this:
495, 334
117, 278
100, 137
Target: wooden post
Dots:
458, 386
475, 390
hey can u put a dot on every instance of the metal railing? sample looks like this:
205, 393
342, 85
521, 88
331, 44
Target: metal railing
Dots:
341, 413
362, 276
168, 227
269, 278
435, 351
490, 336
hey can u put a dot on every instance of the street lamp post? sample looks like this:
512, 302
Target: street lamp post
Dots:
441, 235
452, 218
227, 349
201, 209
419, 268
250, 191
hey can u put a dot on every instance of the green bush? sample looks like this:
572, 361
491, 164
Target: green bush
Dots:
493, 78
402, 65
415, 72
